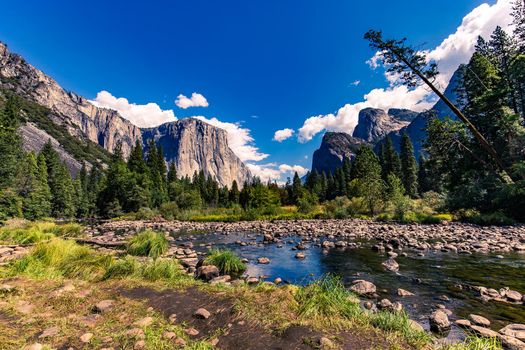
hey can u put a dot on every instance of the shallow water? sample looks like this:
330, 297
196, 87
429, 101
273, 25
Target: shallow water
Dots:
429, 277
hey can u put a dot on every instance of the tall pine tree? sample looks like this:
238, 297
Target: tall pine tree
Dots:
408, 166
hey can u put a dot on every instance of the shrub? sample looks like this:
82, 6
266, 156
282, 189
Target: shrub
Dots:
496, 219
169, 210
145, 214
327, 297
226, 261
148, 243
307, 202
337, 208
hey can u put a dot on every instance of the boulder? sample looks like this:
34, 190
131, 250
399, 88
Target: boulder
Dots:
404, 293
207, 272
263, 260
363, 287
516, 330
483, 332
513, 296
391, 265
439, 322
479, 320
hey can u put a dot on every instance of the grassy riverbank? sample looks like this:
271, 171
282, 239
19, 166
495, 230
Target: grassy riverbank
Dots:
54, 288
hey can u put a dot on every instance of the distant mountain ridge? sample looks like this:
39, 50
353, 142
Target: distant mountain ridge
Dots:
79, 122
374, 125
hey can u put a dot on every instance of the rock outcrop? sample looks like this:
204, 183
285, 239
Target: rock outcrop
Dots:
416, 129
194, 145
335, 147
81, 118
374, 124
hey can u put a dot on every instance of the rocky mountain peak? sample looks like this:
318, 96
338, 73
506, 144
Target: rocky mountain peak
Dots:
374, 124
335, 147
194, 145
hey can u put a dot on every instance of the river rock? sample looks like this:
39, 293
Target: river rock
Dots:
404, 293
439, 322
263, 260
479, 320
516, 330
483, 332
363, 287
300, 256
463, 323
513, 296
391, 265
207, 272
511, 343
221, 279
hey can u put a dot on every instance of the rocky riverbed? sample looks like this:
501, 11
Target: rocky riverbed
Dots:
449, 237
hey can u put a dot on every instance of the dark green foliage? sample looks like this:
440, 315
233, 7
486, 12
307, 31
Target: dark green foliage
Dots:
390, 162
366, 179
408, 166
10, 144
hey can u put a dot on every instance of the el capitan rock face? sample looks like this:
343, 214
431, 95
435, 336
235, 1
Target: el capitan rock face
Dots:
335, 147
194, 145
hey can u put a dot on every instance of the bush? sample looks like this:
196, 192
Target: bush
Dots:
145, 214
307, 202
169, 210
148, 243
337, 208
226, 261
491, 219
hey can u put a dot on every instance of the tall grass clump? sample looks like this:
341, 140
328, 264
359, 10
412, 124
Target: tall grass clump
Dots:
148, 243
34, 232
327, 297
62, 258
122, 268
226, 261
473, 342
160, 269
400, 323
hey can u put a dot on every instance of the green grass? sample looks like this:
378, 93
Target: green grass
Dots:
61, 258
25, 232
148, 243
327, 297
473, 342
401, 324
226, 261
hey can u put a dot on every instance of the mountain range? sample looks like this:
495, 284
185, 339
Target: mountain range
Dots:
84, 133
78, 130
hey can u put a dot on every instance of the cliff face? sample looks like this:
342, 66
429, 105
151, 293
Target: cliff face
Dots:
335, 147
194, 145
416, 129
374, 124
81, 119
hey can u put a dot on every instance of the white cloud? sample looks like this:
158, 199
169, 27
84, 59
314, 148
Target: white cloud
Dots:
453, 51
239, 139
355, 83
144, 116
281, 135
196, 100
292, 169
273, 172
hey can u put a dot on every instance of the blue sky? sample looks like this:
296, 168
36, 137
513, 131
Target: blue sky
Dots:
267, 65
